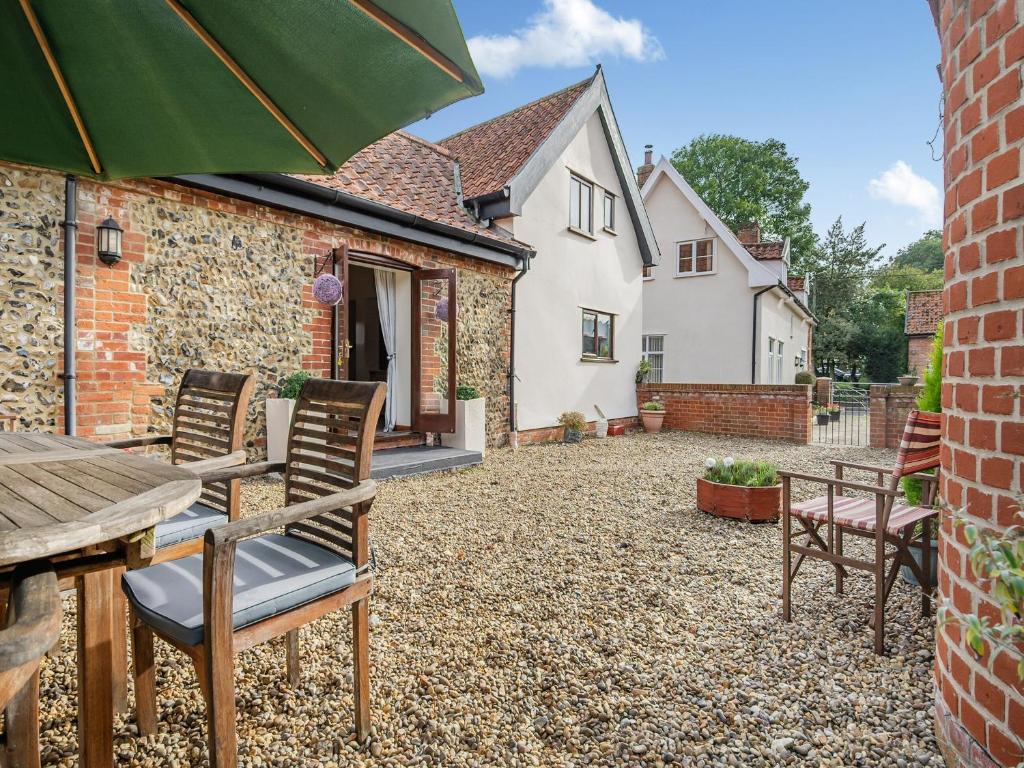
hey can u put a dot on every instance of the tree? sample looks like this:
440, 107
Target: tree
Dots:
925, 253
906, 279
747, 181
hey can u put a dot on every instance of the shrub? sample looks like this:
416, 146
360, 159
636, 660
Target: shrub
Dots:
293, 384
803, 377
642, 371
466, 392
928, 399
573, 420
752, 474
652, 405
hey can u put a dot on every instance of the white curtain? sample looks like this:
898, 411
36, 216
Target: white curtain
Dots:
387, 306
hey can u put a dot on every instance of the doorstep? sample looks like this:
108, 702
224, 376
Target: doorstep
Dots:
420, 460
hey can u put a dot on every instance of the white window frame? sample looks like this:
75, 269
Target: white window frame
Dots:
772, 365
649, 355
693, 243
576, 206
608, 211
779, 357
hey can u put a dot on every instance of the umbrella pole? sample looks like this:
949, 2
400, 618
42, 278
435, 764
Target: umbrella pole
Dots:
70, 336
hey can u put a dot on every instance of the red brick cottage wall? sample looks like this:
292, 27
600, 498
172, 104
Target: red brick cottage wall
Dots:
980, 703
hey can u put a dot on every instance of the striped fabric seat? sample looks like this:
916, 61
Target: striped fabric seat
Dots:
859, 512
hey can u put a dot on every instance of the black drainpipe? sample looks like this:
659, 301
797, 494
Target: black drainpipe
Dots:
513, 425
70, 341
753, 339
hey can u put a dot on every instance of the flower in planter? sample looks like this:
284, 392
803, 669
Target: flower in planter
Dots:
752, 474
728, 461
710, 462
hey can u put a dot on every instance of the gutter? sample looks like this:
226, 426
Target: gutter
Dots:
513, 420
307, 198
753, 338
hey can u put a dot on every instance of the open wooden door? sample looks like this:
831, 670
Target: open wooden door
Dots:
340, 346
433, 350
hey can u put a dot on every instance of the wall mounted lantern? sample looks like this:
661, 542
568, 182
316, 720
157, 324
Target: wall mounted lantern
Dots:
108, 242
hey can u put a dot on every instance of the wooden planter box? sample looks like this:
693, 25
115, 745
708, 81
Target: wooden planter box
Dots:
739, 502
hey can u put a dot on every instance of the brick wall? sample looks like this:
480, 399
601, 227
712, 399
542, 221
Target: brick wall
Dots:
919, 352
823, 390
551, 434
205, 281
777, 411
980, 703
890, 404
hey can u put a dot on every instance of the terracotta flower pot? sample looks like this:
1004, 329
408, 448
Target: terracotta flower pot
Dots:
739, 502
652, 420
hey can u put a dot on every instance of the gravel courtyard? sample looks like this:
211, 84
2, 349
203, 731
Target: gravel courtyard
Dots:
566, 606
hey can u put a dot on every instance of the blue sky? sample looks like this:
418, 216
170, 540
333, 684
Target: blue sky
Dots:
851, 88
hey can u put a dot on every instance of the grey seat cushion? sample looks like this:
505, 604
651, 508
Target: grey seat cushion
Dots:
273, 574
188, 525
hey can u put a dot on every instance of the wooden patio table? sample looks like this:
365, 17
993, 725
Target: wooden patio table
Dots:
91, 511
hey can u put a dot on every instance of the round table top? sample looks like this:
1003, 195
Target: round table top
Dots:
60, 494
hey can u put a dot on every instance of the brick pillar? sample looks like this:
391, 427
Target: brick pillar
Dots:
823, 390
980, 703
890, 405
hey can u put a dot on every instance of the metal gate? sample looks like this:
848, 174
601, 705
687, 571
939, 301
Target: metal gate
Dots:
847, 422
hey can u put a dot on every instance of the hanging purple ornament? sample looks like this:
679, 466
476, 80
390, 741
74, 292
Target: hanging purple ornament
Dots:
327, 289
441, 311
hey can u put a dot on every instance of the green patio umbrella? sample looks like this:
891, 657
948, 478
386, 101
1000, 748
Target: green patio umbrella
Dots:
128, 88
114, 89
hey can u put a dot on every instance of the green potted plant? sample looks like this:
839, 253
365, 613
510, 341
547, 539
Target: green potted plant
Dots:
642, 371
470, 421
740, 489
279, 414
833, 412
575, 424
652, 414
821, 414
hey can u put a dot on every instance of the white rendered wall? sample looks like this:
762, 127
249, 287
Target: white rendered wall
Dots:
569, 273
779, 319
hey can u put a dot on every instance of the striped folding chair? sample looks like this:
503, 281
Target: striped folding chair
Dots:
878, 516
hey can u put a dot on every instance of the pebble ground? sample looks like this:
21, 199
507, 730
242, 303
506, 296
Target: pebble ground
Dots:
568, 606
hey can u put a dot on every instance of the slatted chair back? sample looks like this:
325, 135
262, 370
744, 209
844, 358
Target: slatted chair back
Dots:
209, 421
31, 627
330, 448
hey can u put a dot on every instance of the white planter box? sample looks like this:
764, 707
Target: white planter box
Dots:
470, 426
279, 420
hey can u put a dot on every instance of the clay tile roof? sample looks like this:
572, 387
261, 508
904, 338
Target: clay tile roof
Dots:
491, 153
924, 311
795, 283
765, 251
409, 174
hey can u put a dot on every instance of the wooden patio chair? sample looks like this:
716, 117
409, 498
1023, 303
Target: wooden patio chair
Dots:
31, 628
207, 430
251, 584
879, 516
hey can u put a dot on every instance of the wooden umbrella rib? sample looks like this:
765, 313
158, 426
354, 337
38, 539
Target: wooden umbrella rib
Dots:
62, 85
226, 59
410, 38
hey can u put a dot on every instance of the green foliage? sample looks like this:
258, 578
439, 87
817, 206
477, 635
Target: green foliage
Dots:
820, 409
752, 474
573, 420
803, 377
904, 279
642, 371
292, 384
997, 557
924, 254
928, 399
652, 405
466, 392
744, 181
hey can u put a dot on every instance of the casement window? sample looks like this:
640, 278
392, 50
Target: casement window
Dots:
654, 353
609, 211
598, 335
695, 257
581, 205
803, 358
775, 351
648, 273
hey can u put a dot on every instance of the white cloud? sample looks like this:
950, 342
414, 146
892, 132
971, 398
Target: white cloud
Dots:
901, 186
567, 33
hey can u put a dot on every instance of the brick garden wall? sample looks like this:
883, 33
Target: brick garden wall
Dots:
776, 411
980, 703
890, 404
206, 281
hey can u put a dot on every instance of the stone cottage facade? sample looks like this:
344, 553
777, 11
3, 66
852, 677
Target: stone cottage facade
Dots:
217, 278
979, 708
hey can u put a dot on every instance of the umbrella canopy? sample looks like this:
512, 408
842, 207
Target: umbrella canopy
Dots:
127, 88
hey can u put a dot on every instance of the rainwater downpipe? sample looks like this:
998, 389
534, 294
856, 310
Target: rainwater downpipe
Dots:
70, 336
753, 339
513, 421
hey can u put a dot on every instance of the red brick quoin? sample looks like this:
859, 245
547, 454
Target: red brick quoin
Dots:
979, 702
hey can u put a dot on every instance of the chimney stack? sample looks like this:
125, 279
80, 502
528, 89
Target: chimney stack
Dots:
749, 234
647, 168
